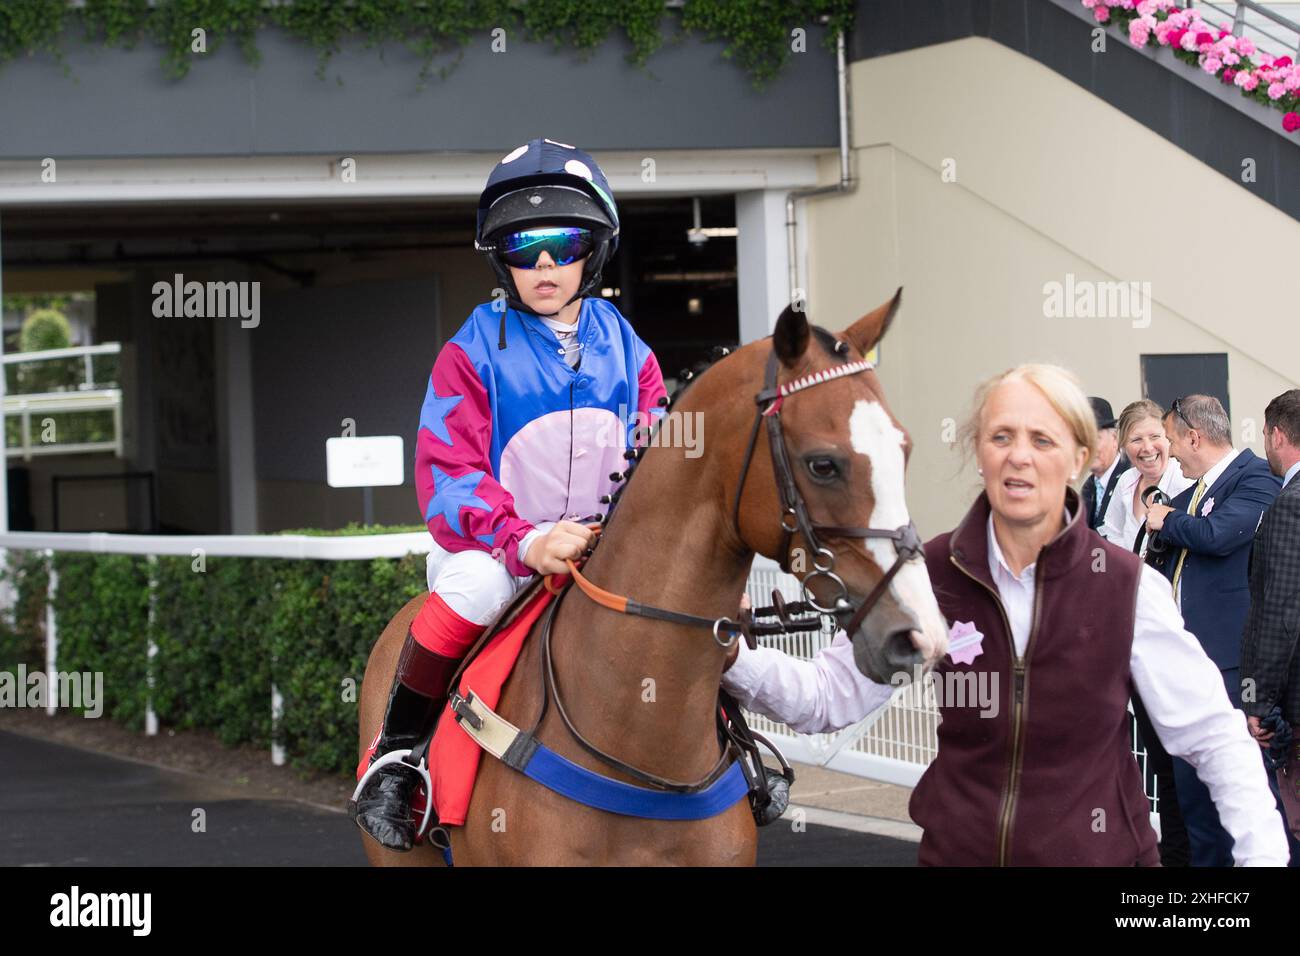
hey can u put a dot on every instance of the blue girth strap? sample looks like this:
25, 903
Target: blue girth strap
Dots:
535, 760
578, 783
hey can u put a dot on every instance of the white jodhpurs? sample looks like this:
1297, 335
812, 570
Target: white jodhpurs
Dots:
472, 583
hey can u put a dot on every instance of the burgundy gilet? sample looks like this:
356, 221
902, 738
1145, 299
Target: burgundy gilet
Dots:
1051, 779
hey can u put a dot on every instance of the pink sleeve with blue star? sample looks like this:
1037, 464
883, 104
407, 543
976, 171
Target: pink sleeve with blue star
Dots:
463, 504
650, 388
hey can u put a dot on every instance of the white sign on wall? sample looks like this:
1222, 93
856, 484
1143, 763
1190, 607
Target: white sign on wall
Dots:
363, 462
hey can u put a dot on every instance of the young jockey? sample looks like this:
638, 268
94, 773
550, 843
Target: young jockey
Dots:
528, 411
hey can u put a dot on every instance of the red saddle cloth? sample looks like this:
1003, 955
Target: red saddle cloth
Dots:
453, 756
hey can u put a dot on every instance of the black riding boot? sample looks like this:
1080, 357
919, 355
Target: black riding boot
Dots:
418, 695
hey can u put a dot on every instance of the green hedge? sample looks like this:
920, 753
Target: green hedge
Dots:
225, 628
22, 633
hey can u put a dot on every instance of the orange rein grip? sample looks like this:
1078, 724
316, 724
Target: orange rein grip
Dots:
602, 597
599, 595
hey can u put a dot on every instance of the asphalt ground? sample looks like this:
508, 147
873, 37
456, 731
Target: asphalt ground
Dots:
64, 806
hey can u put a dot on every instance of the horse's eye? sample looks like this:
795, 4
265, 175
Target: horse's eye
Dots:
823, 469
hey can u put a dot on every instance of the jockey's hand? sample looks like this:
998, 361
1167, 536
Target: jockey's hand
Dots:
567, 539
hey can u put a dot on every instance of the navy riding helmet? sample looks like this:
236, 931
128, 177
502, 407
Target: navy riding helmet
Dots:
545, 183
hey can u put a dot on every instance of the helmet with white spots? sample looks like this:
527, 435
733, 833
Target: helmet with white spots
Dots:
546, 183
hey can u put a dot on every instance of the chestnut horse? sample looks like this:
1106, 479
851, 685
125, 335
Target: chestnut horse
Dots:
672, 542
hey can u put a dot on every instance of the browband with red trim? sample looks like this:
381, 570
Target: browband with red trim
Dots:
816, 378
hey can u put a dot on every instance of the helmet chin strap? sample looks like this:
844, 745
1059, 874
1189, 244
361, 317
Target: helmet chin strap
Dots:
514, 302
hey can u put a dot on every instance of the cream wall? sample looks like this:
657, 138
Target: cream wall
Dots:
1050, 180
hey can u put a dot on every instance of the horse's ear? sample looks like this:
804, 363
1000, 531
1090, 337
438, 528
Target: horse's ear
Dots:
790, 337
871, 328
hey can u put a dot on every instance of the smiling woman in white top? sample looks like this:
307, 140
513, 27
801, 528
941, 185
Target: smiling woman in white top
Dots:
1142, 436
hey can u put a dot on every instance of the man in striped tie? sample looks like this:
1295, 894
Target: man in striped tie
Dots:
1208, 530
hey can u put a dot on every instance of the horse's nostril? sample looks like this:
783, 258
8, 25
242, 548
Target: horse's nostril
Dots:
899, 652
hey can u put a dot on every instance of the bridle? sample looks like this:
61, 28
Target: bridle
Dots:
794, 510
794, 517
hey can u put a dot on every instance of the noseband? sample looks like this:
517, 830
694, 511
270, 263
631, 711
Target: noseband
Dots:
794, 510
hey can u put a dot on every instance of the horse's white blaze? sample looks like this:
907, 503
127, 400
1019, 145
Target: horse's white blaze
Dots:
873, 434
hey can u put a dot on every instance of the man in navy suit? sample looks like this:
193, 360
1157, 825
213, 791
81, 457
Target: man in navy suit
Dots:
1207, 532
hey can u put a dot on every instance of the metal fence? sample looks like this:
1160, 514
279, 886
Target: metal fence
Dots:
1271, 26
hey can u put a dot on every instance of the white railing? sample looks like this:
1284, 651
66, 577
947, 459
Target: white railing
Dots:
893, 745
1256, 21
82, 396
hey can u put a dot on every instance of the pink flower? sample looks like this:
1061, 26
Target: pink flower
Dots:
1231, 59
1178, 19
1280, 62
1292, 82
1212, 65
1228, 74
1275, 91
1224, 33
1245, 46
1146, 7
1139, 34
1187, 41
1251, 81
1175, 37
1204, 39
1101, 14
1291, 122
1089, 3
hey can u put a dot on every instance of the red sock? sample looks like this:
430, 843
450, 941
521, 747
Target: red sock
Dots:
440, 629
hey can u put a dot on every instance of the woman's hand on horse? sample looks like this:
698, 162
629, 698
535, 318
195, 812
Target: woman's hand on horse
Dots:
735, 648
567, 540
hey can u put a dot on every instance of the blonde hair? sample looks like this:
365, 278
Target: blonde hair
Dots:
1135, 412
1061, 389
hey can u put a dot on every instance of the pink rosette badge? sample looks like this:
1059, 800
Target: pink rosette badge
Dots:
965, 642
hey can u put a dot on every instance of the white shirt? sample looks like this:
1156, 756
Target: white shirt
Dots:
1120, 525
1179, 685
567, 334
1290, 473
1104, 480
1210, 478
